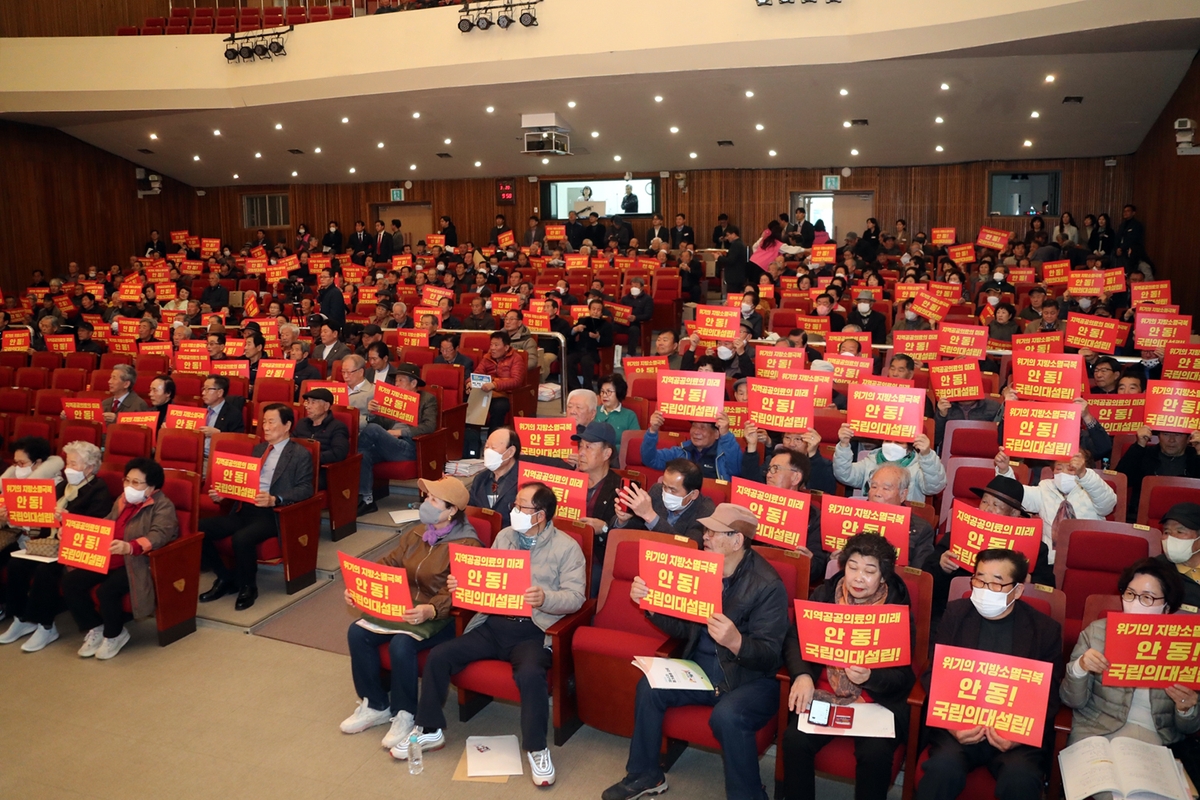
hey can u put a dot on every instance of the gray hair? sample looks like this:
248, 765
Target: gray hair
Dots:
903, 477
128, 373
353, 361
587, 395
304, 346
289, 327
86, 452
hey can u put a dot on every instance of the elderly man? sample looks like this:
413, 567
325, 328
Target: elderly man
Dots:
928, 475
673, 505
819, 477
121, 396
667, 344
400, 317
319, 425
889, 485
224, 413
359, 389
1049, 321
739, 650
496, 486
448, 353
304, 370
1180, 530
329, 347
289, 334
506, 368
384, 439
1171, 456
711, 447
480, 319
379, 366
215, 296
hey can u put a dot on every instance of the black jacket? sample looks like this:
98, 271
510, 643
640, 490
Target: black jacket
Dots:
333, 241
494, 234
575, 234
583, 342
755, 600
333, 305
687, 524
360, 242
718, 237
332, 435
1139, 462
888, 686
642, 305
215, 297
735, 262
293, 478
506, 492
451, 234
684, 235
304, 371
873, 323
381, 248
661, 233
230, 419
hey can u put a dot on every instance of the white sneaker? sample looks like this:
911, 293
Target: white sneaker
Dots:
17, 630
429, 741
402, 725
364, 717
41, 637
110, 647
542, 768
91, 642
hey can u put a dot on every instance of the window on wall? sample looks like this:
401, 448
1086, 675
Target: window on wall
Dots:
265, 211
1023, 194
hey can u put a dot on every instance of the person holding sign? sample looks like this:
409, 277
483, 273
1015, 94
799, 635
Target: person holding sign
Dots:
32, 597
558, 588
506, 367
994, 620
1049, 320
33, 459
285, 478
423, 552
145, 519
588, 336
1155, 716
386, 439
673, 505
711, 447
889, 486
867, 577
1171, 456
739, 649
986, 409
928, 474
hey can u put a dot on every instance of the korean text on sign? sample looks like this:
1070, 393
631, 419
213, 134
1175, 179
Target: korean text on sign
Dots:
973, 687
492, 581
691, 395
779, 405
375, 589
1173, 406
1118, 413
1151, 654
717, 323
1053, 377
569, 487
1041, 430
893, 415
84, 542
972, 531
851, 636
30, 503
782, 514
683, 583
235, 477
547, 438
398, 404
956, 380
843, 517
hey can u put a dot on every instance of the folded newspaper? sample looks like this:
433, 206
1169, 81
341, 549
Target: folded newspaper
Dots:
464, 468
673, 673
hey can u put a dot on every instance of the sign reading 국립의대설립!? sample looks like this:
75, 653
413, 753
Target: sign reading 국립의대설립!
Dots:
691, 395
491, 581
1173, 406
84, 542
973, 687
854, 636
972, 531
843, 517
1041, 430
546, 438
891, 414
376, 589
30, 502
569, 487
1151, 652
782, 514
682, 582
235, 477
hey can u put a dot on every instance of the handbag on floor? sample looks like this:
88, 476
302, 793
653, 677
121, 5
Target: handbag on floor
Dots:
46, 546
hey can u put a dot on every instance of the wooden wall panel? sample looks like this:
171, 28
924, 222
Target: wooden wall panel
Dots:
76, 17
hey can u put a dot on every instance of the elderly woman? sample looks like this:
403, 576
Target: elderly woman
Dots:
612, 394
145, 519
868, 577
1156, 716
32, 592
32, 459
424, 553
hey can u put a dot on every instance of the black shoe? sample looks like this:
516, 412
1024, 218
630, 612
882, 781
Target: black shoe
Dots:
219, 589
366, 508
245, 598
635, 786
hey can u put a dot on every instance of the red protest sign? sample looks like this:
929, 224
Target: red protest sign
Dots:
554, 232
814, 324
279, 368
569, 487
1085, 283
154, 349
435, 239
918, 345
209, 247
398, 404
504, 303
19, 340
823, 254
536, 322
854, 636
717, 323
84, 542
575, 261
773, 363
1098, 334
179, 237
961, 253
506, 239
234, 476
142, 419
779, 405
962, 341
956, 380
1047, 342
782, 514
972, 687
1151, 654
1056, 273
430, 295
1173, 406
621, 315
738, 415
834, 341
941, 237
30, 502
843, 517
231, 368
930, 306
60, 343
814, 384
946, 291
683, 583
1181, 363
411, 338
643, 366
546, 438
691, 395
85, 410
1152, 331
1021, 275
893, 414
185, 418
907, 290
972, 531
491, 581
376, 589
1150, 292
1114, 280
992, 238
192, 356
1041, 430
1118, 413
1052, 377
848, 369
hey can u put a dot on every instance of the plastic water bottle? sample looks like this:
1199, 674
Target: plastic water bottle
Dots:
415, 765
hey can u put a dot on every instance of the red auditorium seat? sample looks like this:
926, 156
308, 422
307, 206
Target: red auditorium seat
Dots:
127, 30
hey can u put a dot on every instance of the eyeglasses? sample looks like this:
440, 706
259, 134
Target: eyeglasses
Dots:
136, 484
774, 468
526, 509
1145, 599
991, 586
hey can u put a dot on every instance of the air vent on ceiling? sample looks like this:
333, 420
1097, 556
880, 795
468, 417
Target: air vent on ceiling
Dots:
1073, 99
580, 151
858, 122
295, 152
724, 143
444, 155
144, 150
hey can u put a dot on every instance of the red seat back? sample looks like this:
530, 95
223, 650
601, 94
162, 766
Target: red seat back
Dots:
449, 377
33, 377
183, 489
1160, 493
79, 431
49, 401
70, 378
47, 359
83, 361
1094, 562
15, 400
417, 356
124, 442
180, 449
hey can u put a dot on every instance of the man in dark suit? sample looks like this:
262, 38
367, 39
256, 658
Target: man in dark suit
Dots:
643, 509
718, 235
383, 439
657, 230
360, 243
332, 302
224, 414
501, 227
215, 296
156, 247
801, 232
381, 245
682, 233
574, 230
331, 243
121, 396
448, 353
994, 620
328, 347
286, 478
733, 265
379, 367
594, 231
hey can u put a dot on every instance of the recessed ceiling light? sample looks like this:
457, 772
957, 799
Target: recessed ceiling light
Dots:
571, 104
1028, 143
674, 129
945, 86
235, 176
691, 155
658, 98
939, 148
844, 92
195, 158
345, 119
749, 93
216, 133
758, 127
294, 173
416, 115
846, 124
853, 152
771, 153
479, 163
379, 145
490, 109
1049, 79
352, 170
258, 155
316, 149
412, 166
447, 141
616, 158
595, 134
154, 136
1034, 115
938, 120
545, 161
278, 126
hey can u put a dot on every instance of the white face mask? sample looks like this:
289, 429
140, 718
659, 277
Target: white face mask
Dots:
134, 496
672, 502
747, 309
74, 476
1177, 550
911, 316
998, 277
332, 229
1150, 363
822, 311
520, 521
892, 451
635, 291
1136, 607
23, 472
1085, 303
989, 604
492, 460
993, 300
488, 305
864, 308
1065, 482
724, 353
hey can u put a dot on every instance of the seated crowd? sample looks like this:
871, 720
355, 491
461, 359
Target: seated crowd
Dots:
370, 311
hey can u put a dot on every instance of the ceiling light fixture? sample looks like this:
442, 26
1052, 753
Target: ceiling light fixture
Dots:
674, 129
258, 155
853, 152
412, 166
1034, 115
278, 126
294, 173
154, 136
938, 120
379, 145
345, 120
465, 25
846, 124
216, 133
195, 158
762, 3
352, 170
658, 98
1049, 79
316, 149
447, 141
616, 158
490, 109
692, 155
749, 93
479, 163
483, 22
571, 104
945, 86
261, 51
595, 134
1028, 143
939, 148
545, 161
771, 153
758, 127
235, 176
416, 115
